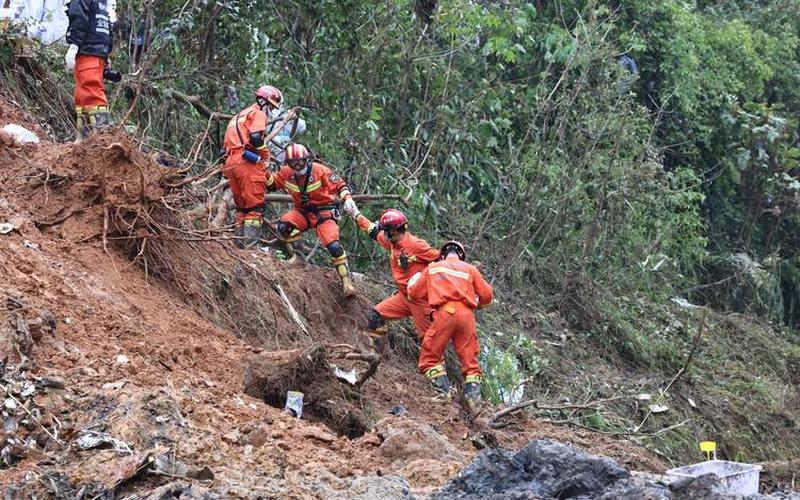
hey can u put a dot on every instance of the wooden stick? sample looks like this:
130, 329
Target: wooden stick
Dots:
695, 343
285, 198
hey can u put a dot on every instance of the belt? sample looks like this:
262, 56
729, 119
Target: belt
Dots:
452, 306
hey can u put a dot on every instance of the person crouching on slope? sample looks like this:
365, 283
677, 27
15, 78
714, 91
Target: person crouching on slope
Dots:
246, 160
316, 192
453, 289
408, 255
90, 43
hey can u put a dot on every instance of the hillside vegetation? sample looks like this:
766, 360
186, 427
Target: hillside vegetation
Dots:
641, 228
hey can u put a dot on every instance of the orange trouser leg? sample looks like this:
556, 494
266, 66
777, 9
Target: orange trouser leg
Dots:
398, 306
465, 342
459, 326
296, 219
328, 231
248, 183
90, 93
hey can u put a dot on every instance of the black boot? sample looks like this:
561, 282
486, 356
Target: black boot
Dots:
472, 394
251, 233
441, 385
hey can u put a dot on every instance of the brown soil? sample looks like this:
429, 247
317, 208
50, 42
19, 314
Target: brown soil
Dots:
147, 349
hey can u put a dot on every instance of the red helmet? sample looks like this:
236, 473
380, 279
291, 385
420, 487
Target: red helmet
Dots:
270, 94
296, 152
453, 246
392, 219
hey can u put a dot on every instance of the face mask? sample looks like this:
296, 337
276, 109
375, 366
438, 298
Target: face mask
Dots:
302, 171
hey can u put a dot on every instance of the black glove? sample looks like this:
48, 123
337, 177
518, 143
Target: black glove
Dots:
403, 261
112, 75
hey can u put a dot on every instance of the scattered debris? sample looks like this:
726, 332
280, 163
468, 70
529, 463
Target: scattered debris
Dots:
656, 409
121, 359
6, 227
30, 244
294, 404
398, 410
169, 465
92, 439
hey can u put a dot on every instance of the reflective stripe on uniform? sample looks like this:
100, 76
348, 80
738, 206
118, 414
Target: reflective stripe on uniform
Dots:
450, 272
311, 187
435, 372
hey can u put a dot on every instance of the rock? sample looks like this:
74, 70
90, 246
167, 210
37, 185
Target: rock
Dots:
52, 382
112, 386
257, 437
317, 433
122, 359
547, 469
405, 440
371, 439
429, 472
232, 437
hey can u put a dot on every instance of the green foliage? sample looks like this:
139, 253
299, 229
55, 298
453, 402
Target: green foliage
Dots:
507, 361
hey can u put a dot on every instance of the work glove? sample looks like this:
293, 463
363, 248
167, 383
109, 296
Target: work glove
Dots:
69, 59
351, 208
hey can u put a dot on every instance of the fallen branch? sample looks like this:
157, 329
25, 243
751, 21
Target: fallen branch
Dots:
292, 311
210, 172
197, 104
285, 198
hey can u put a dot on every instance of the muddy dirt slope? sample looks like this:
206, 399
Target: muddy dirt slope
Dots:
136, 352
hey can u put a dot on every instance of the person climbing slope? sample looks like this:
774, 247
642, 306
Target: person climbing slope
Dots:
317, 192
408, 255
454, 289
246, 160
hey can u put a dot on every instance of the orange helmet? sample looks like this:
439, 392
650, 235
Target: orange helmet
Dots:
453, 246
392, 218
296, 152
270, 94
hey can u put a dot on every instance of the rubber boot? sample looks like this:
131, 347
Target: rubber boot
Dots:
377, 340
251, 233
238, 233
286, 251
441, 384
102, 119
79, 124
472, 395
348, 289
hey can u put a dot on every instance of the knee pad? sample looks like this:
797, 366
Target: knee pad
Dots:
336, 249
374, 320
285, 229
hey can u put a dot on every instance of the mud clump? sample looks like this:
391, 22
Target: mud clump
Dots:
270, 375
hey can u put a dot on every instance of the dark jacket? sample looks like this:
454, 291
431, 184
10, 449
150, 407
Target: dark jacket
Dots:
90, 27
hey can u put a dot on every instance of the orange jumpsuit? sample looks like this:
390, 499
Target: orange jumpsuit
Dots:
247, 180
315, 197
453, 289
417, 254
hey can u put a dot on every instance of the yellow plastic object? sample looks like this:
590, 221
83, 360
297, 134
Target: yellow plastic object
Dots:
708, 447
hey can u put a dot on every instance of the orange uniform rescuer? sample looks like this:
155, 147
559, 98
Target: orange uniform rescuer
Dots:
246, 160
317, 193
90, 42
454, 289
408, 255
